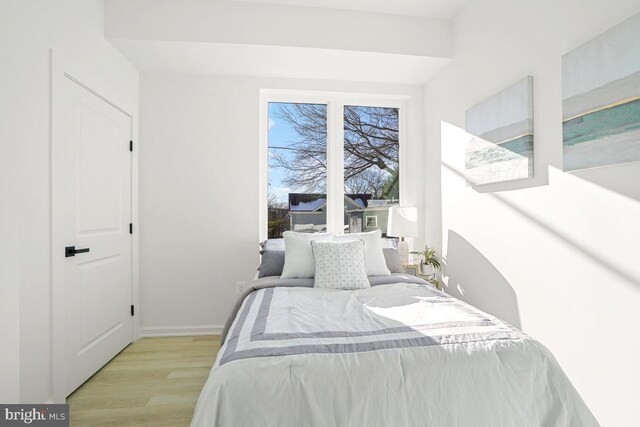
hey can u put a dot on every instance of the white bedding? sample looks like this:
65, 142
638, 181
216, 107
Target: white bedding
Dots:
391, 355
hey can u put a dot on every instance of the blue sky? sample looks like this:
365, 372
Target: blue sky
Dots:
281, 134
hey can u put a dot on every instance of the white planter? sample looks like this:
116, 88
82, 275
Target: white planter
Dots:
427, 269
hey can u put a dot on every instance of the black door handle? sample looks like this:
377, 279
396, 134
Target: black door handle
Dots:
72, 251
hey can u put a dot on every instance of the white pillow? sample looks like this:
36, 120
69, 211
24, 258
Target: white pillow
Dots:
376, 264
298, 257
340, 265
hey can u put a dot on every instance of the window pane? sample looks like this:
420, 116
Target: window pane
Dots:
297, 168
371, 167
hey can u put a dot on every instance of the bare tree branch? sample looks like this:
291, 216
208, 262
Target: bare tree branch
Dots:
370, 149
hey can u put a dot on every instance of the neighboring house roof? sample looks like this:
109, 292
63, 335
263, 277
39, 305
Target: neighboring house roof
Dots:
379, 202
358, 200
309, 202
306, 202
313, 206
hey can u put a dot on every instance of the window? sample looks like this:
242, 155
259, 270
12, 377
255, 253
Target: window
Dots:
371, 167
297, 183
372, 222
332, 165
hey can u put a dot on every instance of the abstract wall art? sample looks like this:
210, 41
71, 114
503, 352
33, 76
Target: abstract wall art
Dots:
500, 146
601, 99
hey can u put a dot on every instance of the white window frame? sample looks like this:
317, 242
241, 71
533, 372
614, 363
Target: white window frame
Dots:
335, 101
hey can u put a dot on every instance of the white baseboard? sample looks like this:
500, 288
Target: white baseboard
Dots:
180, 331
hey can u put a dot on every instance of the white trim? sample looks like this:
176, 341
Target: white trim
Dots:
335, 102
263, 167
335, 166
58, 294
180, 331
135, 237
63, 69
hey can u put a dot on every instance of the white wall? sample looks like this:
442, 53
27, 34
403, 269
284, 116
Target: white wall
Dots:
9, 271
199, 189
247, 23
28, 29
557, 254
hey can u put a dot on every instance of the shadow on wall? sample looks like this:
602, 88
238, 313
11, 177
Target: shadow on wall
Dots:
593, 255
479, 283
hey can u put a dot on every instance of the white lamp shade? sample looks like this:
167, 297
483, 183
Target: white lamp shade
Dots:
403, 221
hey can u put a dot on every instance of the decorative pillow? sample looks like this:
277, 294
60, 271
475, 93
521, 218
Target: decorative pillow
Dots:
272, 245
393, 261
340, 265
376, 264
271, 264
298, 257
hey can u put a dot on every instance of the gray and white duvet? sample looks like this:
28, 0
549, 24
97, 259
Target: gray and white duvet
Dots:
399, 354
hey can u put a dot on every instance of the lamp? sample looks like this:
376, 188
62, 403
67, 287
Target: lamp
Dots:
403, 222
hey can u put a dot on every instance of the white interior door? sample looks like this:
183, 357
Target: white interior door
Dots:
91, 168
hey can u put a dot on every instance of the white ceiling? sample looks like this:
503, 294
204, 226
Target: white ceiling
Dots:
277, 61
425, 8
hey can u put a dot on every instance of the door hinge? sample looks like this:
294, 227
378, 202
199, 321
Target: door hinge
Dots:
130, 228
132, 310
130, 145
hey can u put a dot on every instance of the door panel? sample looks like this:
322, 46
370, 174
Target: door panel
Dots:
100, 171
99, 305
92, 209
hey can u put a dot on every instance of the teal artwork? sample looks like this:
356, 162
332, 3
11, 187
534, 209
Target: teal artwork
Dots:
601, 99
500, 146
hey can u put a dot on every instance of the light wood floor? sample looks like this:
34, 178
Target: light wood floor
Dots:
153, 382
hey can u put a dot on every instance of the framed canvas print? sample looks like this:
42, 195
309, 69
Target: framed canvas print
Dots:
601, 99
500, 146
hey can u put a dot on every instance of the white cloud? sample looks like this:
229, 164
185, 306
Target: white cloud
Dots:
272, 124
281, 193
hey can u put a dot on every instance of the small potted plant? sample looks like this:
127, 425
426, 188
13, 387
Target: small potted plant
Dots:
429, 262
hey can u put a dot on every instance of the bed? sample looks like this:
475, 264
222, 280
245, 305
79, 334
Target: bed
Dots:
399, 353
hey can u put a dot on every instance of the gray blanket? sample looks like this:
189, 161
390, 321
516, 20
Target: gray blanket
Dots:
271, 282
